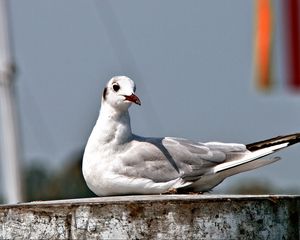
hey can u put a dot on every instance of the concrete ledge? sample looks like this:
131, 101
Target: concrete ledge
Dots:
155, 217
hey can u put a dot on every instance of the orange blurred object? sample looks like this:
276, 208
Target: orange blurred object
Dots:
263, 44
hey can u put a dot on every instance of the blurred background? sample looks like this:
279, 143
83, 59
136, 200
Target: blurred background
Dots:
204, 70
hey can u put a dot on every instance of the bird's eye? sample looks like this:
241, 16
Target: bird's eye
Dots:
116, 87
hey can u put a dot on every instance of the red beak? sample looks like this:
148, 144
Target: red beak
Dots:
133, 98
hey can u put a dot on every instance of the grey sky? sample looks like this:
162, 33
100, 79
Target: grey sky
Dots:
191, 61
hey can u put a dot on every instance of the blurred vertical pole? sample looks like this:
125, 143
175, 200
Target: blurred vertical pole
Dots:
263, 39
292, 18
10, 136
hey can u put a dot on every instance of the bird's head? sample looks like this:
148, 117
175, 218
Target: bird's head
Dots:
119, 93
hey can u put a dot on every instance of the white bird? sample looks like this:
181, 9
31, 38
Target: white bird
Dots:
117, 162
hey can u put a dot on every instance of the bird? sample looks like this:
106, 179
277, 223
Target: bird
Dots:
118, 162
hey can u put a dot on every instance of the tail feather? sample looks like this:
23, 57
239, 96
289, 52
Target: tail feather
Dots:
251, 160
249, 166
257, 150
249, 157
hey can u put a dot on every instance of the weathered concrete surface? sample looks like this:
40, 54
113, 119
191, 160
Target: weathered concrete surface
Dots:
155, 217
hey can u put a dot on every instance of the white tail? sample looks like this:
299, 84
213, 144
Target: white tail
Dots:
251, 157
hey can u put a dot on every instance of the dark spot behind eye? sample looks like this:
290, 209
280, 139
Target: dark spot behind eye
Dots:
104, 93
116, 87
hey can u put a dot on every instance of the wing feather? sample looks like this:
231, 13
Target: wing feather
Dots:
166, 159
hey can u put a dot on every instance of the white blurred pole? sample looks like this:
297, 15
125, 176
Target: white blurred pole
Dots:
10, 136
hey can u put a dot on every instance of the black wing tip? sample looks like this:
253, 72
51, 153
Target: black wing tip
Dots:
290, 139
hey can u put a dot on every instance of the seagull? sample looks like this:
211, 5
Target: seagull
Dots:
118, 162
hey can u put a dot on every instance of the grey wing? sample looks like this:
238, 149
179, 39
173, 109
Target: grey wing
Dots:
167, 159
147, 158
199, 158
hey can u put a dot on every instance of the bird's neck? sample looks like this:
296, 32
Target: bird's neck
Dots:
112, 127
